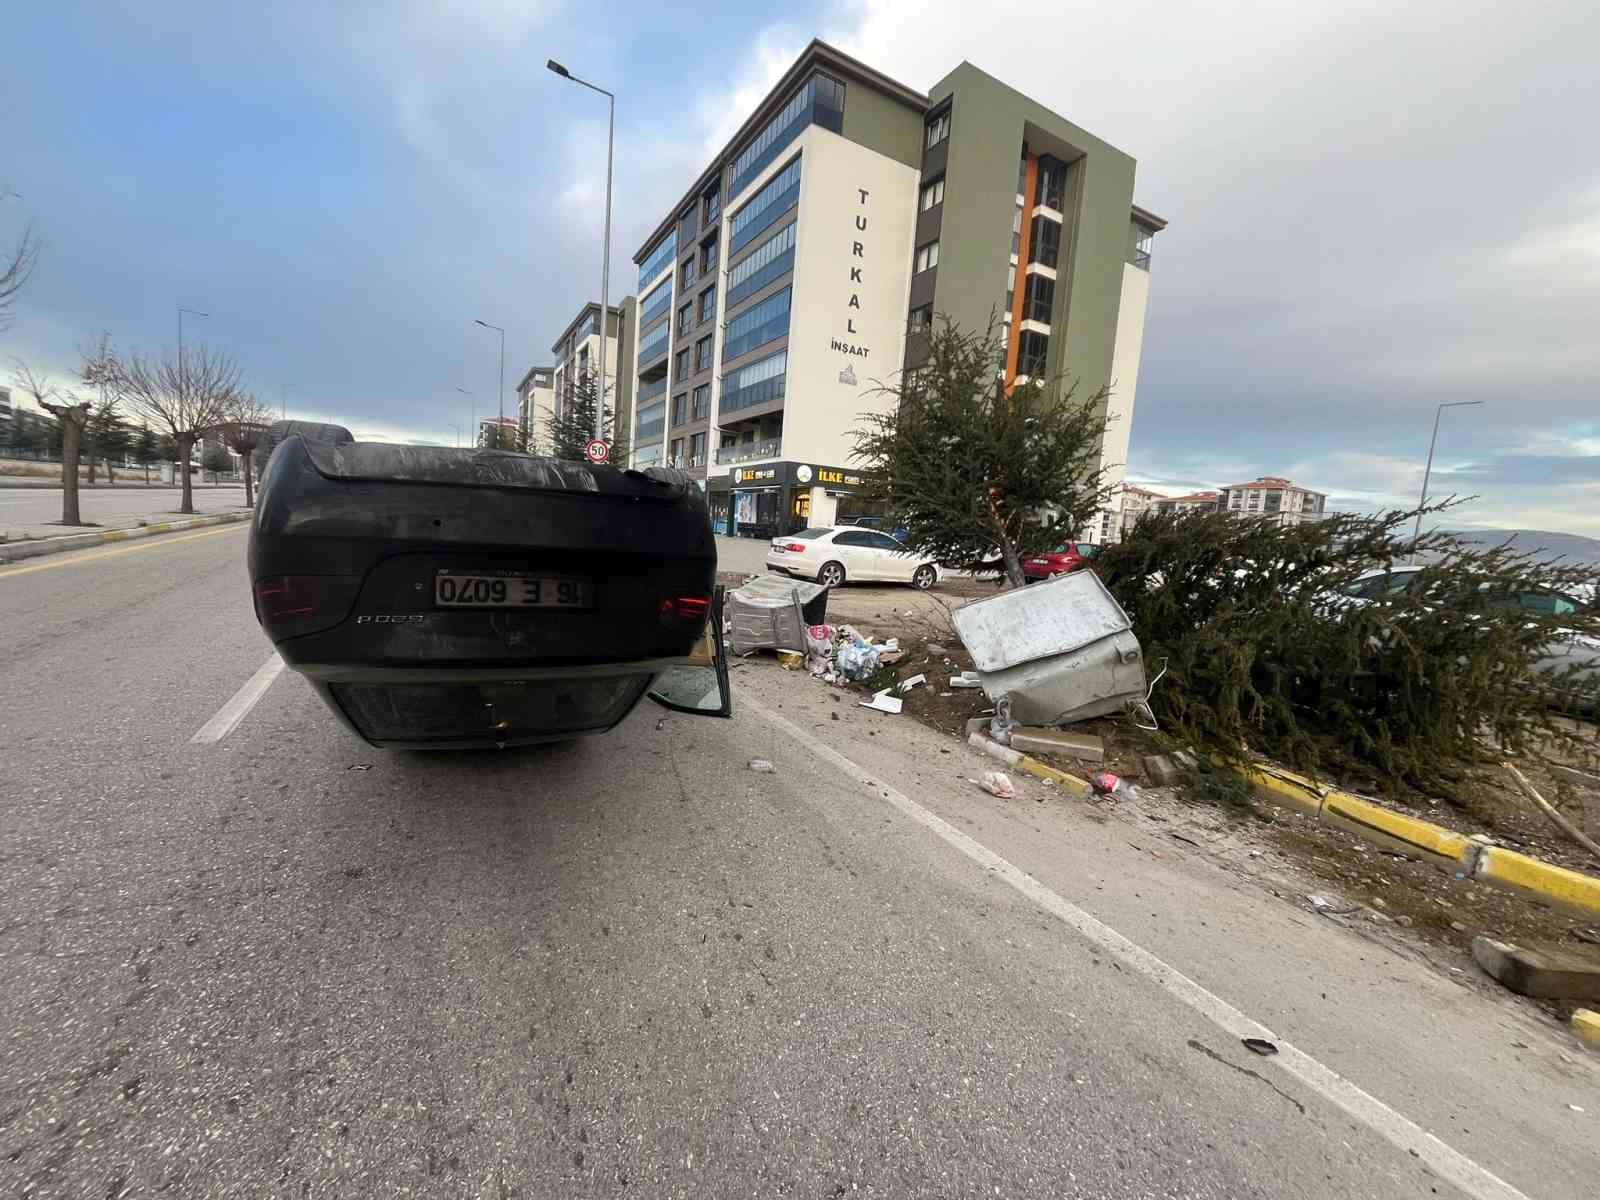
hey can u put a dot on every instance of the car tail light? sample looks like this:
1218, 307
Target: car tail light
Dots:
686, 608
290, 605
795, 547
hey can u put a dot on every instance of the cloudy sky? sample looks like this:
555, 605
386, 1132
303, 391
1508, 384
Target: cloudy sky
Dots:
1374, 206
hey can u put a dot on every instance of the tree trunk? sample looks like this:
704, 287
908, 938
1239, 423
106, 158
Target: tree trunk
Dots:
71, 439
185, 448
1012, 562
111, 475
91, 468
249, 489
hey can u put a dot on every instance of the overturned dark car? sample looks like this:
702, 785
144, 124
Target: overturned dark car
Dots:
452, 598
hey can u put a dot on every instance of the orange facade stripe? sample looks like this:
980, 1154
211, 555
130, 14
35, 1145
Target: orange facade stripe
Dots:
1030, 185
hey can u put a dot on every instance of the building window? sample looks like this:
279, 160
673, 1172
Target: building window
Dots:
680, 408
710, 207
1141, 249
702, 403
1044, 241
921, 319
927, 256
702, 354
652, 418
1052, 183
820, 101
932, 193
1032, 349
658, 258
708, 257
755, 384
686, 274
675, 455
708, 303
697, 450
1038, 294
774, 257
939, 128
685, 317
680, 366
759, 324
776, 197
656, 303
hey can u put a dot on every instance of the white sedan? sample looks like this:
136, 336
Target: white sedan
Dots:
831, 556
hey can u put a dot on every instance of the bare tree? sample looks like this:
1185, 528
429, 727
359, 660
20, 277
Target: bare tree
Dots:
14, 272
243, 427
186, 397
98, 368
73, 414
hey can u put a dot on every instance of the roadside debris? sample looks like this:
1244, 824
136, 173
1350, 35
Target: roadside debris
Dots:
1259, 1046
1062, 650
1168, 769
997, 783
907, 684
1543, 971
967, 679
884, 702
1001, 724
1108, 784
1085, 747
762, 767
1330, 906
769, 613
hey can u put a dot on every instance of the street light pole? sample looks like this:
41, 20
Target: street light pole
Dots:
457, 428
472, 407
499, 427
183, 380
1428, 470
605, 251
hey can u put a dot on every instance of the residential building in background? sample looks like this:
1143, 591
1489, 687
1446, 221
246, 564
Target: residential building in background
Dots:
1192, 502
776, 296
578, 352
486, 432
1133, 504
536, 397
7, 416
1272, 496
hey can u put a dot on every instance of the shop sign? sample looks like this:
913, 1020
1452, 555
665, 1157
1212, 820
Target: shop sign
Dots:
755, 474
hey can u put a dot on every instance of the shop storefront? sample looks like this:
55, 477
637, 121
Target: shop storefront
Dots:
769, 499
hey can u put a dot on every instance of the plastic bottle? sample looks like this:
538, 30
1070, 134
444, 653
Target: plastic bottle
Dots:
1108, 784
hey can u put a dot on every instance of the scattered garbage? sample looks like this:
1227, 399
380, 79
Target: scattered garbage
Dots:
1332, 906
998, 783
856, 660
1062, 650
1259, 1046
884, 702
790, 660
907, 684
1108, 784
359, 767
762, 767
1001, 724
967, 679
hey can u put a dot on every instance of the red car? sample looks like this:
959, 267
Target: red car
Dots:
1074, 556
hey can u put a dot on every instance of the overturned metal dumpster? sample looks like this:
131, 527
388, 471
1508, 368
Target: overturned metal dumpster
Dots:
1062, 650
772, 613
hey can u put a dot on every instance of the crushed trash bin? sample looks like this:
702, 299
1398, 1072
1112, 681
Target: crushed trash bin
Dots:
1062, 650
772, 613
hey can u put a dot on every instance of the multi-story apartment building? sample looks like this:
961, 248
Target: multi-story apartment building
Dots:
1133, 504
536, 397
1271, 496
507, 427
1193, 502
804, 265
578, 353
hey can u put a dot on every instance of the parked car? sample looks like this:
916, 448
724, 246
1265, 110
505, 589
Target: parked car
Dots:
883, 525
457, 598
848, 552
1072, 556
1569, 649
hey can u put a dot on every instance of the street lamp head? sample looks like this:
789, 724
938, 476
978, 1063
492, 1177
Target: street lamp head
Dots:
553, 65
463, 391
485, 324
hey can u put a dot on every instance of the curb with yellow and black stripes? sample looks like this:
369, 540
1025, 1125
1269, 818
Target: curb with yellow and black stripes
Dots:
17, 551
1468, 857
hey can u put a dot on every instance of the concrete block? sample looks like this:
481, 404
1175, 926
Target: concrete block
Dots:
1547, 972
1395, 831
1586, 1024
1164, 770
1541, 880
1031, 739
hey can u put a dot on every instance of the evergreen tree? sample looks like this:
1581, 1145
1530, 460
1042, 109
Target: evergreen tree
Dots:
573, 429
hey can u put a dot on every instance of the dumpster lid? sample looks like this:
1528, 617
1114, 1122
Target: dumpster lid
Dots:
1039, 621
772, 591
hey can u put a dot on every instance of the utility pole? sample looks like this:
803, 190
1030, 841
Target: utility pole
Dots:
1427, 471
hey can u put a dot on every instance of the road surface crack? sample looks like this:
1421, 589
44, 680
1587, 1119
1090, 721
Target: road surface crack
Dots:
1212, 1054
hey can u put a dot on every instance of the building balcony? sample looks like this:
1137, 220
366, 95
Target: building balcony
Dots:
749, 452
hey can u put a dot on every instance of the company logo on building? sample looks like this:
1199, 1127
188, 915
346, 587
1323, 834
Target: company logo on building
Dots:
803, 473
848, 376
858, 250
754, 474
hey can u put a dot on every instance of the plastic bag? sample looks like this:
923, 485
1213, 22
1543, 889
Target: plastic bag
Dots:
1001, 724
856, 660
998, 783
819, 640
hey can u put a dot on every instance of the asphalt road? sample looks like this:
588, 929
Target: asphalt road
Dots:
288, 964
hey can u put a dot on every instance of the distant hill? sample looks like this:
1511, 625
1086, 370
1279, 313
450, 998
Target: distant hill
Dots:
1572, 547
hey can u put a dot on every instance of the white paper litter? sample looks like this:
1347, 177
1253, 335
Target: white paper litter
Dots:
884, 702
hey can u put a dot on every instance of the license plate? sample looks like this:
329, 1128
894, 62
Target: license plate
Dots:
509, 589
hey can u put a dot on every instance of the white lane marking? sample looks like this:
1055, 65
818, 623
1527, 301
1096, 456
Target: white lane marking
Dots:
231, 713
1460, 1170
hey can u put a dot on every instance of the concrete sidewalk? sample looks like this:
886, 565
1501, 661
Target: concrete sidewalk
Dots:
33, 514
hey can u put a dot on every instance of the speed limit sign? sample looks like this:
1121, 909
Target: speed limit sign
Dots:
597, 451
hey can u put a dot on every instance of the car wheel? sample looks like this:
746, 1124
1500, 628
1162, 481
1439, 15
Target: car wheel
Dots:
924, 577
831, 575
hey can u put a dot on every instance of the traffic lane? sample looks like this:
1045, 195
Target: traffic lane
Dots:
1373, 1009
621, 959
110, 506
